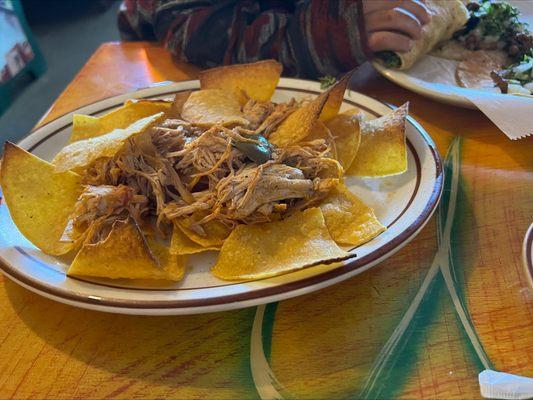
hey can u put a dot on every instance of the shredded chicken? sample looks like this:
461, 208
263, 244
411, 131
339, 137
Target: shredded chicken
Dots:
257, 111
312, 158
98, 207
173, 134
279, 113
258, 187
177, 170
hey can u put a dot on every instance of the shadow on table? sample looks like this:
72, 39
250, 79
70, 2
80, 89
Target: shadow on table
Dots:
196, 354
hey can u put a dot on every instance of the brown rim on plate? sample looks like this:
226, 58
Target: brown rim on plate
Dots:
259, 293
528, 253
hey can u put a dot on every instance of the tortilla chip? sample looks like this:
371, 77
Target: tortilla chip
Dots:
299, 124
257, 80
215, 232
181, 244
86, 126
345, 129
39, 200
173, 264
320, 131
123, 254
78, 155
213, 106
349, 220
178, 102
274, 248
335, 98
382, 151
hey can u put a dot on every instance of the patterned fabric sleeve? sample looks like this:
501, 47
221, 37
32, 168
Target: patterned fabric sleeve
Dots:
311, 38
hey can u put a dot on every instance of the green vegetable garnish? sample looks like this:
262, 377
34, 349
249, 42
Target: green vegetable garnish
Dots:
259, 151
497, 19
390, 59
327, 81
496, 26
520, 72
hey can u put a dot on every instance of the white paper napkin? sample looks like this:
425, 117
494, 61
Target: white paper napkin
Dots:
512, 114
499, 385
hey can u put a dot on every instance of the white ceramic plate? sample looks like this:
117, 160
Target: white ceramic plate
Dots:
440, 93
404, 203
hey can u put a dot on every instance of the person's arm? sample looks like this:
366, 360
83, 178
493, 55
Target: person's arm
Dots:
316, 38
325, 37
311, 38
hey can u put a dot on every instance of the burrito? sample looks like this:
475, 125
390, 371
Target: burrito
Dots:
447, 17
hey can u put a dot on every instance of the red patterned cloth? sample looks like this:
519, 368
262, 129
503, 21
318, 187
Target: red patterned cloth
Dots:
311, 38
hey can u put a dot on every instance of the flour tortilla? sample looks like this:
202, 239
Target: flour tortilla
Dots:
474, 73
447, 17
452, 50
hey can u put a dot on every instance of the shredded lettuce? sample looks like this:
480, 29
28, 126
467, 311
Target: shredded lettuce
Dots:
390, 59
521, 72
496, 25
326, 81
498, 19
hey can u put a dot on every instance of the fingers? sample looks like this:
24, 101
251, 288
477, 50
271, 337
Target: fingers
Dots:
394, 24
395, 19
370, 6
392, 41
418, 9
415, 7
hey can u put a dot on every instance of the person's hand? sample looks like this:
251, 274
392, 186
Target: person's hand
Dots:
393, 24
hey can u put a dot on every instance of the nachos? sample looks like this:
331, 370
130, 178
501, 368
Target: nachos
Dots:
224, 168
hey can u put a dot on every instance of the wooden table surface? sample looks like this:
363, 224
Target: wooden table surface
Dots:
472, 305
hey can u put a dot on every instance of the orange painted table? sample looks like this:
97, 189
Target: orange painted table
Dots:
415, 326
